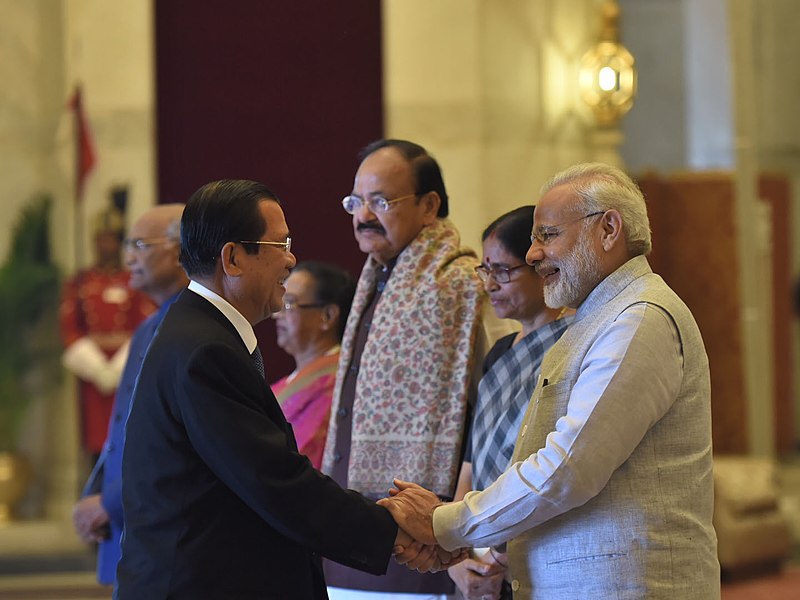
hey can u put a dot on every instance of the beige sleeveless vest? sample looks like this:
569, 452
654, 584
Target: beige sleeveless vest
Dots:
648, 533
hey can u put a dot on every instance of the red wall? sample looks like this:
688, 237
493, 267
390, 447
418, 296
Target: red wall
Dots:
285, 93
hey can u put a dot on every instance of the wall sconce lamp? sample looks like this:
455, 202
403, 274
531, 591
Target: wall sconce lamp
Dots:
607, 76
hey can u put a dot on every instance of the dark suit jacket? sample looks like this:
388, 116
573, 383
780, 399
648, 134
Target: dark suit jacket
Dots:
218, 504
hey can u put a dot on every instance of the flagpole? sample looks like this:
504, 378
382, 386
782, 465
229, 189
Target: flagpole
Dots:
78, 232
85, 159
77, 223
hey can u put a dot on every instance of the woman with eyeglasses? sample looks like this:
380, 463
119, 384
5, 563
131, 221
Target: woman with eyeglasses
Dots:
310, 327
510, 371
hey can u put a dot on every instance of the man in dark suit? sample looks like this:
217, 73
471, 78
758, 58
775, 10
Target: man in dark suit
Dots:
218, 503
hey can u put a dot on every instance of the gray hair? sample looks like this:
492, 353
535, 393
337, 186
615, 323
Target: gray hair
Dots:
601, 187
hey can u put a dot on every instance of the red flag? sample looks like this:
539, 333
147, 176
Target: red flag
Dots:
85, 157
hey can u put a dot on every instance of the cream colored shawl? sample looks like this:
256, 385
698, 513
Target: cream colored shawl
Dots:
411, 393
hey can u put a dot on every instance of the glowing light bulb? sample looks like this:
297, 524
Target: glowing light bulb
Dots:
607, 79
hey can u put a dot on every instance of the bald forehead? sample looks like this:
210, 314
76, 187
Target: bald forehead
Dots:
159, 217
167, 212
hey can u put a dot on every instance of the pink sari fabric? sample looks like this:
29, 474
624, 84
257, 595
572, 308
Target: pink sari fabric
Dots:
306, 403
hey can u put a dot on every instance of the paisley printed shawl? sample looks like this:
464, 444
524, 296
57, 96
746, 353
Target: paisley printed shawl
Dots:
411, 393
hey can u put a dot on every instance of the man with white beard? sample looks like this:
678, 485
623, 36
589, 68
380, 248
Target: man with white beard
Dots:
610, 492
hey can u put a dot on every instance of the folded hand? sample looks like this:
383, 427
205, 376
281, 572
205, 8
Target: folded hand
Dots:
90, 519
478, 578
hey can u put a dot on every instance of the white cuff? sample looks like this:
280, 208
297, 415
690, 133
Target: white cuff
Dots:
445, 519
84, 359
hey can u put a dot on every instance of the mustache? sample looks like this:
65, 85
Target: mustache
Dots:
539, 267
371, 225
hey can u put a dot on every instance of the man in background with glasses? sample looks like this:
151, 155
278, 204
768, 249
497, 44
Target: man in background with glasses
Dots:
98, 314
408, 357
610, 493
151, 256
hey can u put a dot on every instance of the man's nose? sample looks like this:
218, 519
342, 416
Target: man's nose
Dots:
535, 253
128, 257
364, 212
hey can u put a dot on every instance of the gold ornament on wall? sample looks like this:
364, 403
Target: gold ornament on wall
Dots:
607, 76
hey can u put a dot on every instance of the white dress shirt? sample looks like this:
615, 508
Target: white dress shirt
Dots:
236, 318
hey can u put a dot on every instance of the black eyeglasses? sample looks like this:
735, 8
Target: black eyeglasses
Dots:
547, 233
352, 203
499, 274
132, 244
287, 245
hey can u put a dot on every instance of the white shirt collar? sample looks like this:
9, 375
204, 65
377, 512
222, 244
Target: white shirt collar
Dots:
241, 324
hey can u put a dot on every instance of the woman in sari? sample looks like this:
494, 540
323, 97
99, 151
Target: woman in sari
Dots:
510, 371
310, 326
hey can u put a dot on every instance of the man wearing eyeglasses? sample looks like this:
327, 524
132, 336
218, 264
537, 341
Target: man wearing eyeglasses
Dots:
218, 502
98, 314
408, 355
610, 493
151, 256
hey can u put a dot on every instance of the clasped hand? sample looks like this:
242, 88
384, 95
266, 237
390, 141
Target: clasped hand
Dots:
91, 519
412, 507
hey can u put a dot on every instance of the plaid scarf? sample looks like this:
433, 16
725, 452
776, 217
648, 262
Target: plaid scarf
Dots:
503, 396
411, 393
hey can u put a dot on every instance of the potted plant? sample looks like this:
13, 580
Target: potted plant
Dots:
29, 289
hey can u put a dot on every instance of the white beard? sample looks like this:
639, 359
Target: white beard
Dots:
579, 270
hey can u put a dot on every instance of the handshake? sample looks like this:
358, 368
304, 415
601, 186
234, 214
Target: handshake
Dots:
416, 547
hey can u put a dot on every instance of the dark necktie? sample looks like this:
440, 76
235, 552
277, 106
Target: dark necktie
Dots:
259, 360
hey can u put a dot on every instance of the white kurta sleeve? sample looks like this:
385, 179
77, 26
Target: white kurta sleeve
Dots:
629, 378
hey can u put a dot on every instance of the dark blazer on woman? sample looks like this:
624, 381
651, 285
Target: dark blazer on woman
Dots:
218, 503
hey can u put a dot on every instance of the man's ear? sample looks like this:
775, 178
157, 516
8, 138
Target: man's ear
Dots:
431, 202
177, 248
612, 229
229, 257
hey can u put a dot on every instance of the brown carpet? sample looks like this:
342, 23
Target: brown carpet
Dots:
57, 594
53, 586
777, 586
